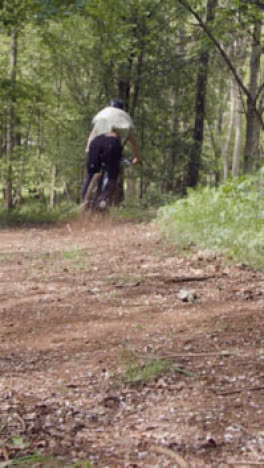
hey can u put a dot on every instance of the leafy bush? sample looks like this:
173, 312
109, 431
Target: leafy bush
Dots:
229, 219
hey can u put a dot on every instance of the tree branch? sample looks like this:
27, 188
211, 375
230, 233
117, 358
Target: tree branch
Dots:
259, 91
222, 52
257, 3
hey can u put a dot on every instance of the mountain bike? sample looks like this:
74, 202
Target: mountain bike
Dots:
94, 201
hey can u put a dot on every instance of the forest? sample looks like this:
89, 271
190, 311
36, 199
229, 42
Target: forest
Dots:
190, 73
132, 337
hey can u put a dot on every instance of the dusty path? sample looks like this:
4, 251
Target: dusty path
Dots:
82, 305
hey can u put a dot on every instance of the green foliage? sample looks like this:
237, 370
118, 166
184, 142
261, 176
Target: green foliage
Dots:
142, 210
34, 212
155, 198
229, 219
73, 55
68, 68
33, 461
134, 211
154, 368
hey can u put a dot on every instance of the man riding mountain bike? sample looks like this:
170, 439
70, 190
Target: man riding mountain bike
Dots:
112, 128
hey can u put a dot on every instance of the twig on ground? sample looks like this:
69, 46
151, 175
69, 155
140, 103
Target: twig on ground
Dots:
3, 424
244, 462
21, 420
247, 389
181, 370
172, 356
187, 279
128, 285
171, 454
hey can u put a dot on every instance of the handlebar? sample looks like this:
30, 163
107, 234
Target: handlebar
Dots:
128, 162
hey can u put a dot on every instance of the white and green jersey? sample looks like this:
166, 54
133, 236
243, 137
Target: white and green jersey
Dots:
112, 119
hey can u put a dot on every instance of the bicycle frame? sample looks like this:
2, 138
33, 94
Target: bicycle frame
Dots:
96, 187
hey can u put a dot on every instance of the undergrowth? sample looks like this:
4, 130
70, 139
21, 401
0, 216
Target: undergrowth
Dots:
34, 212
133, 212
141, 210
229, 219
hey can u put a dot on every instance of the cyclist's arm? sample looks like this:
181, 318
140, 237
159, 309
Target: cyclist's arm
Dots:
133, 141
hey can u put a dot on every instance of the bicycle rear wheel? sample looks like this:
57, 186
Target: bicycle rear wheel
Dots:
92, 190
89, 203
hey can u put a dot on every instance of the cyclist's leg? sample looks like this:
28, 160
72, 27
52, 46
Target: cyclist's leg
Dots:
93, 165
86, 185
111, 158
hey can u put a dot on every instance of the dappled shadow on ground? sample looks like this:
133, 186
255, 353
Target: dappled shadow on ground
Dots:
82, 303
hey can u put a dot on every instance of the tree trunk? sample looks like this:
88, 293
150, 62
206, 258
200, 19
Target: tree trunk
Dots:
238, 134
251, 151
52, 186
137, 83
195, 157
10, 134
124, 83
131, 181
216, 148
124, 91
58, 90
226, 145
20, 182
142, 184
131, 186
170, 182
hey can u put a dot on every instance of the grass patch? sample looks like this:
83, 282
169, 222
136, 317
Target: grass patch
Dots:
151, 370
228, 219
74, 254
5, 258
35, 461
74, 259
41, 461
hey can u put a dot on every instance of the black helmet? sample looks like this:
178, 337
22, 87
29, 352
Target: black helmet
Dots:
118, 103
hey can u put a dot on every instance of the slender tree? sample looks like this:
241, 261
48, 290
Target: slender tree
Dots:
251, 152
10, 129
200, 104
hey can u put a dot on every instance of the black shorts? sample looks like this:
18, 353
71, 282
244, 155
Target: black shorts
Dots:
105, 151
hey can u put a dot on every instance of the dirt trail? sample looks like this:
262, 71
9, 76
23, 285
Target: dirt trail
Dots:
81, 305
